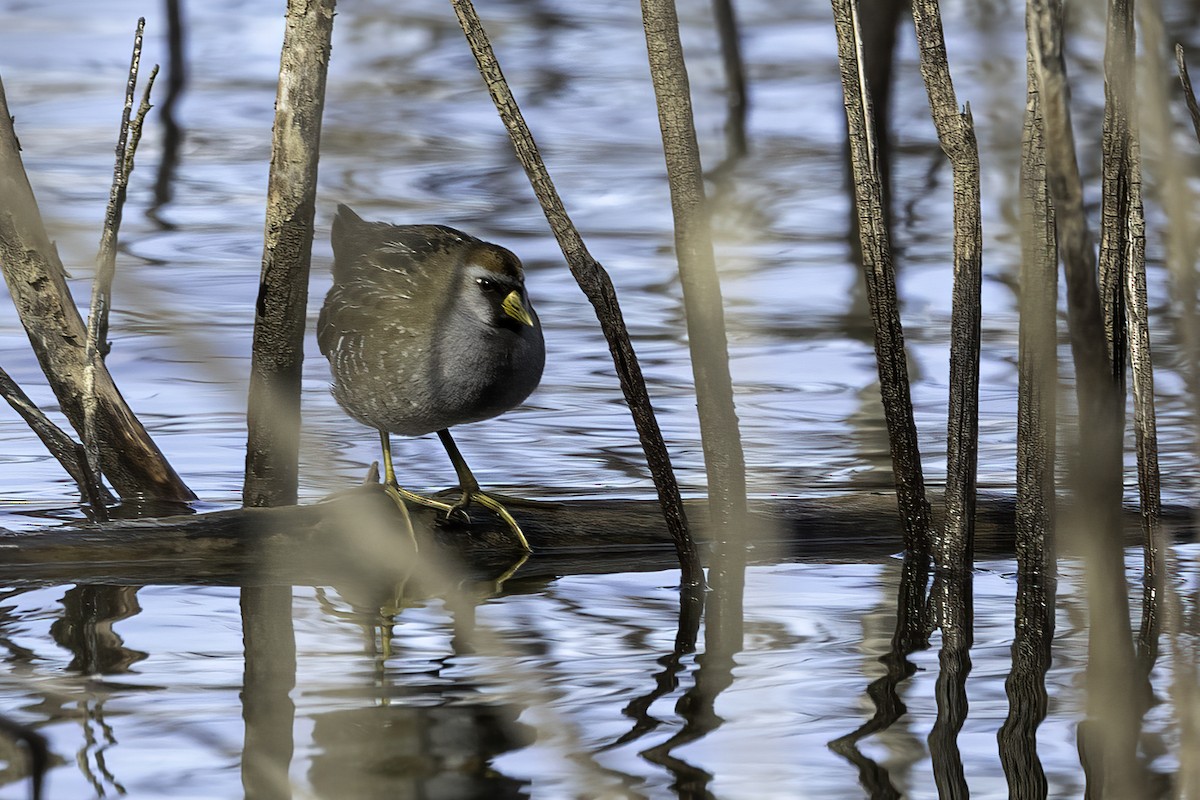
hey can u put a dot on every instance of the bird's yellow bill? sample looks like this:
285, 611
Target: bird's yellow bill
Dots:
514, 308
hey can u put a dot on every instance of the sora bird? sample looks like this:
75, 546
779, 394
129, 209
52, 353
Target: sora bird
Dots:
425, 328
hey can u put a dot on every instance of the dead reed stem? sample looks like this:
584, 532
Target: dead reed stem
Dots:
724, 460
703, 306
881, 284
1108, 739
955, 548
1037, 389
106, 259
276, 364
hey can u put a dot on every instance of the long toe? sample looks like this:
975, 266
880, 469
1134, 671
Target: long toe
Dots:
421, 500
490, 503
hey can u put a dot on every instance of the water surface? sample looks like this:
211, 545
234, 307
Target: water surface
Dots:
140, 692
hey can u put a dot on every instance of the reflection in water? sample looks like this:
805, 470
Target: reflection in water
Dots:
172, 132
270, 675
909, 636
955, 604
392, 750
37, 755
86, 629
396, 745
723, 637
1026, 685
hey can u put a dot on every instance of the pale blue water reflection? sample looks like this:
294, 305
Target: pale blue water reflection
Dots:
566, 661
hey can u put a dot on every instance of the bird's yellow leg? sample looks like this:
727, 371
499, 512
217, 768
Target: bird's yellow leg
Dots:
389, 480
393, 491
471, 492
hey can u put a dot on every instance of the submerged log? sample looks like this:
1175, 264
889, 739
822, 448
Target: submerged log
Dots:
358, 534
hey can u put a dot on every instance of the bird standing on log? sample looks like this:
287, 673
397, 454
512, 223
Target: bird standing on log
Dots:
426, 327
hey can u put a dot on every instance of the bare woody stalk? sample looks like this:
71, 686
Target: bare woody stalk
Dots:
881, 286
598, 288
1123, 288
1037, 369
66, 450
1181, 244
1108, 740
273, 409
723, 456
106, 259
1037, 361
956, 132
273, 412
724, 459
954, 549
37, 283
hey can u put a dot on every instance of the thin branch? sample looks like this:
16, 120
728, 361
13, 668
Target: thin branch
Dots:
956, 132
106, 260
881, 287
1189, 95
598, 288
129, 458
66, 450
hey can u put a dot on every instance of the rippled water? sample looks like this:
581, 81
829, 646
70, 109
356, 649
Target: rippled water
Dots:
410, 135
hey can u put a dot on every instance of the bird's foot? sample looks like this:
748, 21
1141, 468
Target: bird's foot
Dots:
459, 513
492, 504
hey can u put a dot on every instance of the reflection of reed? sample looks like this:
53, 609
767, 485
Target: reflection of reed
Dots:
268, 679
439, 753
172, 139
86, 629
1026, 685
36, 750
909, 635
666, 680
697, 706
954, 659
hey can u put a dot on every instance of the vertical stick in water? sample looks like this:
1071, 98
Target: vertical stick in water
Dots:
723, 457
954, 551
273, 414
1037, 383
881, 286
1145, 424
956, 132
1109, 738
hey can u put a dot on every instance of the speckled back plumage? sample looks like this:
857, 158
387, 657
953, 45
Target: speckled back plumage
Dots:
409, 334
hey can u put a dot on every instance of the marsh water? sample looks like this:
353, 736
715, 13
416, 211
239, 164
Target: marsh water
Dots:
571, 687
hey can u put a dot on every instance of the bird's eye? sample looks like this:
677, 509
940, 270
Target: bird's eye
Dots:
487, 284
